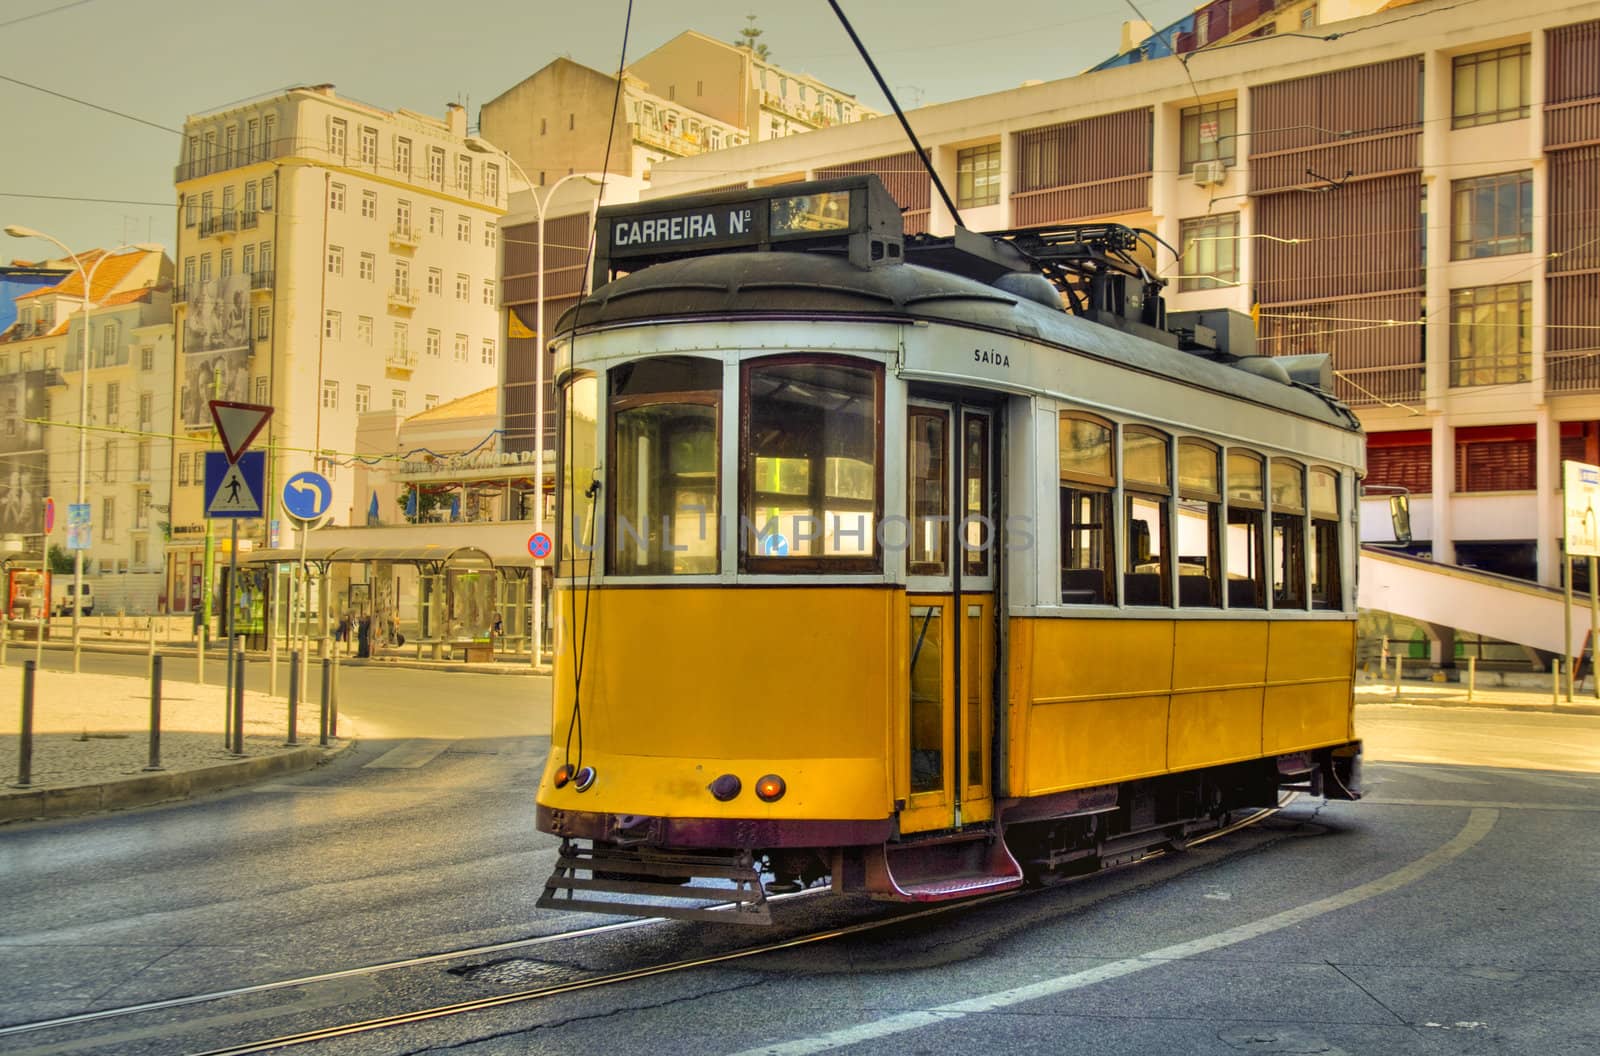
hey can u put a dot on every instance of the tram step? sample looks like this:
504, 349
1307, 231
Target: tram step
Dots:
939, 871
632, 883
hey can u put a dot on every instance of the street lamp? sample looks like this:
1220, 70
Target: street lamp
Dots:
540, 207
18, 231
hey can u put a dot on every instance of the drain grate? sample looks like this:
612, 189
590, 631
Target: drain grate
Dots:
518, 971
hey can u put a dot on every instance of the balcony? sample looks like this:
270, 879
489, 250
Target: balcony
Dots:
220, 224
180, 294
404, 238
403, 299
399, 363
249, 218
223, 160
261, 280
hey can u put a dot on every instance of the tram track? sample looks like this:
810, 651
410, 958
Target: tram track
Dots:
532, 994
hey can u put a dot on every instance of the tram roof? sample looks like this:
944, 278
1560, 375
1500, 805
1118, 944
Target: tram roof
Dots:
734, 285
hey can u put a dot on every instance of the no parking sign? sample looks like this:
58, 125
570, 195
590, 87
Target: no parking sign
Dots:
539, 545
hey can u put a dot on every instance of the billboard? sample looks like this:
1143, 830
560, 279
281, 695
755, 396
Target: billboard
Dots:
216, 348
23, 403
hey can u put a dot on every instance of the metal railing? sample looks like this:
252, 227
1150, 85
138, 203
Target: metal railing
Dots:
403, 298
261, 280
401, 359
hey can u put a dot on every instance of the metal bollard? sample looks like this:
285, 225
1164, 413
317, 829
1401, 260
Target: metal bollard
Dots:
333, 702
1399, 665
238, 705
1472, 677
294, 701
25, 746
327, 692
200, 656
38, 643
1555, 683
5, 636
155, 712
150, 667
1383, 658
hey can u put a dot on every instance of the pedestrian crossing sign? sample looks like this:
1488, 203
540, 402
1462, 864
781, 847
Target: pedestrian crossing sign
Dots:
235, 489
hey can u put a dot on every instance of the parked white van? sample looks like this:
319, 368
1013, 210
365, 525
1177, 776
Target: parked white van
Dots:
62, 596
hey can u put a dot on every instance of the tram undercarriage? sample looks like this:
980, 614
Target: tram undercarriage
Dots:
1036, 841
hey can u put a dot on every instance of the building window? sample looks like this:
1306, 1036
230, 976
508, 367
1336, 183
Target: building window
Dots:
1401, 459
1491, 215
266, 256
330, 395
1491, 86
402, 338
368, 266
463, 287
108, 517
1491, 341
263, 323
435, 221
488, 350
397, 399
463, 229
188, 276
1496, 458
402, 277
183, 469
205, 268
369, 205
337, 131
191, 210
247, 260
335, 260
268, 190
435, 280
363, 399
225, 264
261, 391
1210, 252
364, 330
461, 348
436, 165
402, 155
1207, 133
489, 234
109, 469
978, 176
402, 217
146, 409
491, 182
141, 547
331, 325
336, 197
369, 146
431, 343
430, 401
488, 292
463, 173
147, 358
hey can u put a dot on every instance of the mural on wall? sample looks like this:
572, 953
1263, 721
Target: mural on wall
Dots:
216, 348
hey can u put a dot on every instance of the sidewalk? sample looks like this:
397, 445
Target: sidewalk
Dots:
1454, 695
91, 742
216, 652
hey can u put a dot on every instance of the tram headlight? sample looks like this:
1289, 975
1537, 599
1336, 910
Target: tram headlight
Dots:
725, 787
583, 780
563, 774
771, 788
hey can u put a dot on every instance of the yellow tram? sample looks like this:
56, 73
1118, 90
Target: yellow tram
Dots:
926, 565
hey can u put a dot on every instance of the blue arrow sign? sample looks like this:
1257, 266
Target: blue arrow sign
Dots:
235, 489
307, 496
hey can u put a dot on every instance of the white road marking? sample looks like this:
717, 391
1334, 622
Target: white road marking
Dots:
1477, 827
409, 756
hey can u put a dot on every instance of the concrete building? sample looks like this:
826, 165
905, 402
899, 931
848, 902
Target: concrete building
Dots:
129, 385
334, 257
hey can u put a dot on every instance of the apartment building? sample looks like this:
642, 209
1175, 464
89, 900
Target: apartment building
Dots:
1415, 192
129, 384
334, 257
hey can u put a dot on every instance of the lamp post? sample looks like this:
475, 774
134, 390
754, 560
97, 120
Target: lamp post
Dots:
18, 231
541, 206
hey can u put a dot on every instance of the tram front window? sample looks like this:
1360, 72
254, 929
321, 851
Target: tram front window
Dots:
812, 443
663, 511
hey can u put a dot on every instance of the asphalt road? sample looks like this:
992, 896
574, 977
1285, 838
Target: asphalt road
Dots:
1451, 911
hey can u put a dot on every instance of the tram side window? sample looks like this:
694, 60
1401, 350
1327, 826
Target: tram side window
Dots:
1146, 483
1288, 534
927, 471
1326, 589
811, 466
1087, 479
1199, 528
578, 460
661, 506
1246, 535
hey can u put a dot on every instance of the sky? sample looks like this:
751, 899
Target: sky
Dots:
159, 60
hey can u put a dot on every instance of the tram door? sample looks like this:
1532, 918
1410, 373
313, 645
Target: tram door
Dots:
952, 552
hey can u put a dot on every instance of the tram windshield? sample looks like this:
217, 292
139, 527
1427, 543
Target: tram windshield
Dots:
580, 418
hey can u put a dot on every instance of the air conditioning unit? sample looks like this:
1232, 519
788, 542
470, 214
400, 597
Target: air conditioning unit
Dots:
1208, 173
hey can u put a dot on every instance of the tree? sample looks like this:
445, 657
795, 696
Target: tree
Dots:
749, 38
61, 562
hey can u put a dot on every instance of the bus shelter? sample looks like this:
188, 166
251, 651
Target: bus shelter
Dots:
424, 586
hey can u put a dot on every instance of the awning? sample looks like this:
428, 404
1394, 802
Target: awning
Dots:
499, 543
